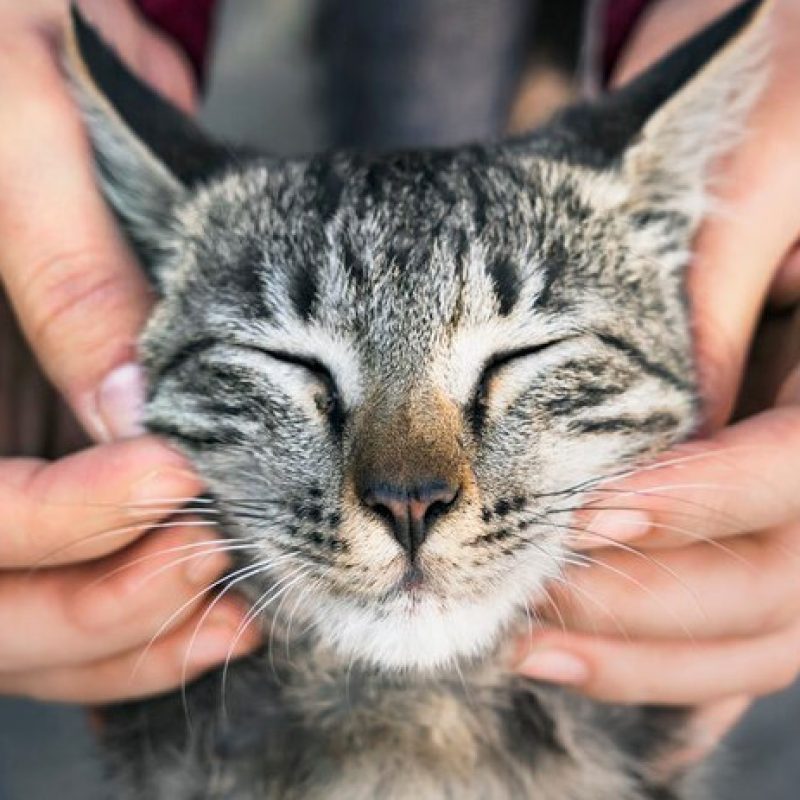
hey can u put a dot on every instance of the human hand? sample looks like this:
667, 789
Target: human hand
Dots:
694, 595
77, 608
82, 619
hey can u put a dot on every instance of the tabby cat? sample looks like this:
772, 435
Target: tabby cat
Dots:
397, 374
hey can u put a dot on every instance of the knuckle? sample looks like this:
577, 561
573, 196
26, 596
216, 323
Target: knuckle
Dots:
60, 290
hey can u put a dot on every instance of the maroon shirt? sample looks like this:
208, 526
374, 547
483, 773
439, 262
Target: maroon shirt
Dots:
190, 22
621, 16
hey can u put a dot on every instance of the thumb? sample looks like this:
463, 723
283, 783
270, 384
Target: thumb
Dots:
756, 191
77, 293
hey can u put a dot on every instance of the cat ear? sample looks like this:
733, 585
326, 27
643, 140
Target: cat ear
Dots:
667, 165
148, 154
665, 127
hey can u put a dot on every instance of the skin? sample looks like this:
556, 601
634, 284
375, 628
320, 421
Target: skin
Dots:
94, 575
711, 538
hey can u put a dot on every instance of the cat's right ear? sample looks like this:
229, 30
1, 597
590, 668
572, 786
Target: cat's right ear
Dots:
148, 154
662, 131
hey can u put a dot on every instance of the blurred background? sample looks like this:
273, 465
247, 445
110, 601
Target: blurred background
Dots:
267, 86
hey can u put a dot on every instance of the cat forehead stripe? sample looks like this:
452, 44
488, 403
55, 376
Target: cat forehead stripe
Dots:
506, 279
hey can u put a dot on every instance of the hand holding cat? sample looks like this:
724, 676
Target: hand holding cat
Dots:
715, 619
76, 609
700, 601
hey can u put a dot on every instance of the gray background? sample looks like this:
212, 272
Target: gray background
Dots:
262, 90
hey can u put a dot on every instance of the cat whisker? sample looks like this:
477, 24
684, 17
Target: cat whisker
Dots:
660, 491
275, 623
552, 603
679, 460
308, 590
687, 458
690, 534
205, 548
602, 607
125, 530
557, 576
257, 608
705, 510
244, 574
232, 579
589, 560
696, 538
162, 501
172, 513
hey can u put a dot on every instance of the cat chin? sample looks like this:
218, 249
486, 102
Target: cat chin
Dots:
420, 634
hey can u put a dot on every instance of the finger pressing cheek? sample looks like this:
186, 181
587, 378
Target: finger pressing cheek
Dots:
742, 480
744, 586
89, 504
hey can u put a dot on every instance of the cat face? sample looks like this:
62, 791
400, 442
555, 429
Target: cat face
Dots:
399, 374
401, 393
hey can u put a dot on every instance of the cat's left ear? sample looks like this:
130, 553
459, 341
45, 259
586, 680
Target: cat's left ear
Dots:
663, 130
148, 154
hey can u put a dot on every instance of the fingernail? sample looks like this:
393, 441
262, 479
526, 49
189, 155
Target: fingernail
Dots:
555, 666
620, 526
119, 404
204, 568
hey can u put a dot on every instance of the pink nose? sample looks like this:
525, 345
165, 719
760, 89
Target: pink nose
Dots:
411, 511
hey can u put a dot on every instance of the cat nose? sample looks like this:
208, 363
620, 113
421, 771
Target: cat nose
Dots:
412, 511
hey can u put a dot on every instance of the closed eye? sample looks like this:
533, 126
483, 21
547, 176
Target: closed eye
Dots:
329, 402
492, 367
312, 365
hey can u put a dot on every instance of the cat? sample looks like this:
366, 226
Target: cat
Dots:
398, 375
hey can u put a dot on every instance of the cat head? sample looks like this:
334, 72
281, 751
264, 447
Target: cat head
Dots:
398, 374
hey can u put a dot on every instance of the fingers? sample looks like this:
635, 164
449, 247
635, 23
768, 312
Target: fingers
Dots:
735, 261
87, 613
746, 587
89, 504
673, 672
707, 727
77, 293
757, 191
742, 480
79, 297
197, 646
